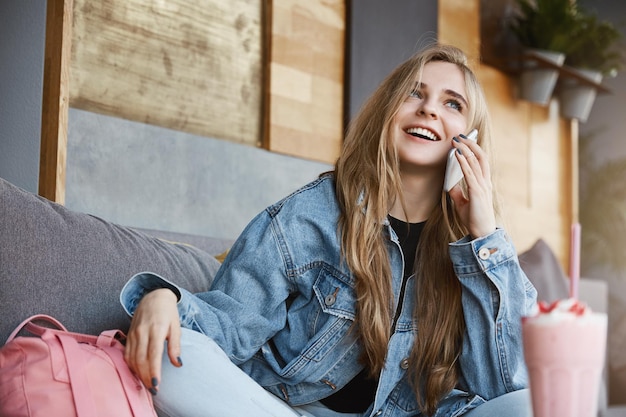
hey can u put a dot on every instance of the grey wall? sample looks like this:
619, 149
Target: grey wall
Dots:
606, 119
146, 176
22, 38
381, 35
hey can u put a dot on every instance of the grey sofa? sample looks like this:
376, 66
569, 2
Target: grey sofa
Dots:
72, 266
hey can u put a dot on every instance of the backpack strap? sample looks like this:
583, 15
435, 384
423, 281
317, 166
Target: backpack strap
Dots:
75, 361
33, 328
139, 401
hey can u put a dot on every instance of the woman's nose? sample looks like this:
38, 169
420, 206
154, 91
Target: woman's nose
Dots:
426, 108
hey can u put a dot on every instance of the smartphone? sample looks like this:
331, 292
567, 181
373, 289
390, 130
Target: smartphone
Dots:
453, 169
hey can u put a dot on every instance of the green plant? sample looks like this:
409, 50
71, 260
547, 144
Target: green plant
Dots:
562, 26
595, 45
545, 24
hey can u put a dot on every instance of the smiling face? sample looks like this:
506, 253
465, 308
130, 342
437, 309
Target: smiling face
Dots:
432, 114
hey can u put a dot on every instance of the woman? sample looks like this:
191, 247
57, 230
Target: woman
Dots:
370, 291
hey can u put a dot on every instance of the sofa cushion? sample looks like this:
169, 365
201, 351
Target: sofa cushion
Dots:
543, 269
214, 246
73, 265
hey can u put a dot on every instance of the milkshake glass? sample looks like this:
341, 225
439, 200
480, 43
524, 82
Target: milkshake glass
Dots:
564, 349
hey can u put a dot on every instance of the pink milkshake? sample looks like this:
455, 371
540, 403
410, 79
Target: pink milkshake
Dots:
564, 348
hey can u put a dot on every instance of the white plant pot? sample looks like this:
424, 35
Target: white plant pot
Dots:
576, 98
537, 81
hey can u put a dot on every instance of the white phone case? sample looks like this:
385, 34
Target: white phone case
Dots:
453, 169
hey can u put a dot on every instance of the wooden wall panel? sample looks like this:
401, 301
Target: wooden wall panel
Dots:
533, 168
190, 66
535, 149
306, 72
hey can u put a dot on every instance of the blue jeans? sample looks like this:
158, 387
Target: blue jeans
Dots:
513, 404
210, 385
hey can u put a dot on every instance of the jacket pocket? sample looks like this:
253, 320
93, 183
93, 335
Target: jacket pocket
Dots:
330, 321
335, 295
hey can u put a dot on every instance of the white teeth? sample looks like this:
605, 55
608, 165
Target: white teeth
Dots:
422, 132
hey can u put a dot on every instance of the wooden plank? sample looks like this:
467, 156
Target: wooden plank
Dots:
55, 101
189, 66
306, 72
458, 24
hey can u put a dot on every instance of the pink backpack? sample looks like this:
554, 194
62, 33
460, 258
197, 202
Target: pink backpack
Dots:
68, 374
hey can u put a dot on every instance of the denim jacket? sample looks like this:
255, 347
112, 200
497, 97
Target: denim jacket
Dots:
282, 307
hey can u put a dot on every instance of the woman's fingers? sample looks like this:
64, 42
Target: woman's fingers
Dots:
155, 320
476, 158
173, 345
476, 209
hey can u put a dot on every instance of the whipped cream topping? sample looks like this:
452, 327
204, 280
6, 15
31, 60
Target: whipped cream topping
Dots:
568, 309
568, 305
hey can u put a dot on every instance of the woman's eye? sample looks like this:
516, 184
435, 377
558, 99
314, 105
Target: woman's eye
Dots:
415, 94
455, 105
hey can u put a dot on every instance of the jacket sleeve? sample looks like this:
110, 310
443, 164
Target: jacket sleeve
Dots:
496, 294
246, 304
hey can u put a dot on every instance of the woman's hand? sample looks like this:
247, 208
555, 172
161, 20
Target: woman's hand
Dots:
475, 209
155, 320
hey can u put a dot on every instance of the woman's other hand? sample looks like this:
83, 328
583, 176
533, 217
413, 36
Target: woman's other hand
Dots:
155, 321
476, 208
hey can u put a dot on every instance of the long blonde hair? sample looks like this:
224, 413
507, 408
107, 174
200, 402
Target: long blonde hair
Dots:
368, 182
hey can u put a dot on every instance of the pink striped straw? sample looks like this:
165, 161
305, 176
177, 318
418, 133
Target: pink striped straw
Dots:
574, 260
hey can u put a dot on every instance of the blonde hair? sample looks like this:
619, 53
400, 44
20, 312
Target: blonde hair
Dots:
368, 182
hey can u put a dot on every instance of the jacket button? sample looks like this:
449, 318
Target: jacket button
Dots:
329, 300
484, 254
379, 412
404, 364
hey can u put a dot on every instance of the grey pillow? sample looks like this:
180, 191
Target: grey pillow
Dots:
72, 265
544, 271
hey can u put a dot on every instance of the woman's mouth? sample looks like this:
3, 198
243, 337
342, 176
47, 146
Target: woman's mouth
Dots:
420, 132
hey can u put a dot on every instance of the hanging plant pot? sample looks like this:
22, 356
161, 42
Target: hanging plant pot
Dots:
576, 97
540, 71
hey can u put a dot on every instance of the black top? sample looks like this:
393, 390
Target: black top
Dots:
409, 236
355, 397
359, 393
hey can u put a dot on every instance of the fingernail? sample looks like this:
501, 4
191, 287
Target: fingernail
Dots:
180, 361
459, 151
154, 381
456, 139
152, 391
463, 136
